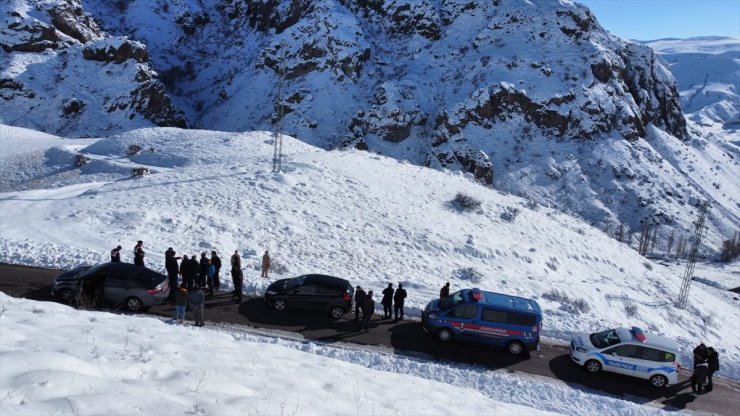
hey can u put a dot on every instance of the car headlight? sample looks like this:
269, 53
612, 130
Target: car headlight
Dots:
270, 292
432, 316
579, 349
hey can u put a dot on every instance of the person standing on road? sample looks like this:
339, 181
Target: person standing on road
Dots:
216, 261
211, 274
170, 264
713, 366
181, 302
359, 298
197, 302
139, 257
701, 368
115, 255
266, 263
387, 301
445, 291
237, 277
187, 271
368, 308
398, 300
203, 270
139, 245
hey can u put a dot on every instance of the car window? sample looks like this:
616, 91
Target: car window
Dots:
667, 357
308, 289
493, 315
327, 290
295, 282
605, 338
629, 351
118, 281
147, 278
464, 311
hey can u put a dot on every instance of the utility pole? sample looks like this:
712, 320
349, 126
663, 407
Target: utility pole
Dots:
688, 275
277, 157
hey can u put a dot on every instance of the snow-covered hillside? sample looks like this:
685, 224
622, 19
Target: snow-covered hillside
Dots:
533, 97
365, 217
707, 70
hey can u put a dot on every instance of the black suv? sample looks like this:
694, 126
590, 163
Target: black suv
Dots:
312, 291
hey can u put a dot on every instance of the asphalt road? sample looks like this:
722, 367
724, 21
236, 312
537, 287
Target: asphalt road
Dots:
408, 338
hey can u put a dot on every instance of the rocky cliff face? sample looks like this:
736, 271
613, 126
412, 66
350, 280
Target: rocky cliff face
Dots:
531, 97
63, 74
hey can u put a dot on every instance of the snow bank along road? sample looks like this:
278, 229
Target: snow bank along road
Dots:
407, 337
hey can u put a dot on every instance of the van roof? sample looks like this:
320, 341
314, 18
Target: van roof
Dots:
511, 302
651, 340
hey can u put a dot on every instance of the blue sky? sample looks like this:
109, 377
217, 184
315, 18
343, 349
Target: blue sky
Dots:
655, 19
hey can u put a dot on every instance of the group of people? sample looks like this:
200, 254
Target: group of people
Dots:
195, 276
365, 305
706, 363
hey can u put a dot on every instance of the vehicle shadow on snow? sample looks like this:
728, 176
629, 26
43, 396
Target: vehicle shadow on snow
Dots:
629, 388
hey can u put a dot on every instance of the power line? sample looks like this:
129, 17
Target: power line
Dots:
688, 275
277, 157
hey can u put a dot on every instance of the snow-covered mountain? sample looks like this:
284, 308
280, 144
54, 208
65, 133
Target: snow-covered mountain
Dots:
532, 97
707, 70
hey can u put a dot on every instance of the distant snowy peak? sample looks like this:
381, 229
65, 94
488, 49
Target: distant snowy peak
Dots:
61, 73
707, 70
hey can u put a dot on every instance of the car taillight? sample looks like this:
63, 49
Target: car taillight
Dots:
346, 296
155, 290
677, 365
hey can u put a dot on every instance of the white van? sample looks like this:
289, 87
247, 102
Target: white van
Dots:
628, 351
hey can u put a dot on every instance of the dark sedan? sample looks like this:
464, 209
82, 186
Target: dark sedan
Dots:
134, 287
312, 291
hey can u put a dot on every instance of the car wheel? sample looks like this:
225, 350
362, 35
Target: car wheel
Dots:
593, 366
279, 305
515, 348
336, 312
65, 295
134, 304
444, 335
658, 381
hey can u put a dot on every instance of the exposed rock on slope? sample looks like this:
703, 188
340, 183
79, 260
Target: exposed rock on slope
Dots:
63, 74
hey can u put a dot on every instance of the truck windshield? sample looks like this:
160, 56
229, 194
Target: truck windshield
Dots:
451, 301
605, 339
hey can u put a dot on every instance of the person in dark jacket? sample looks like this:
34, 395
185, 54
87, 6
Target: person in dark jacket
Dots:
181, 302
368, 308
445, 291
359, 297
115, 255
139, 256
237, 276
398, 300
197, 302
139, 244
701, 368
713, 366
387, 301
216, 262
203, 270
266, 263
187, 271
170, 264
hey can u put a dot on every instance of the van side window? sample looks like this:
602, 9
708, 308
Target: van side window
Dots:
492, 315
626, 350
651, 354
465, 312
667, 357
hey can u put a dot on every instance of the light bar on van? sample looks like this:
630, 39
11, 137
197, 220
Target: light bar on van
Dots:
639, 334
